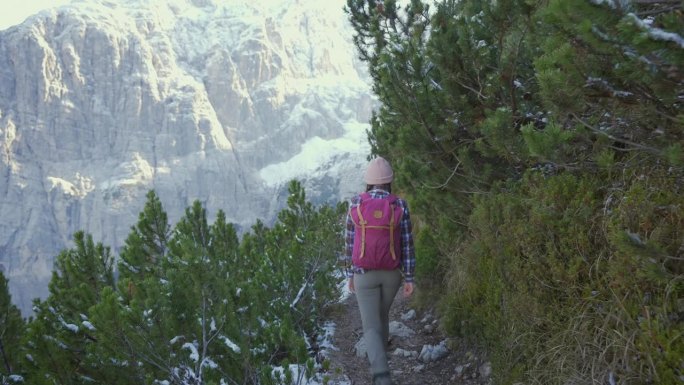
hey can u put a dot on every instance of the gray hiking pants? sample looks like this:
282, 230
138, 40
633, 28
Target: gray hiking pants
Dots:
375, 291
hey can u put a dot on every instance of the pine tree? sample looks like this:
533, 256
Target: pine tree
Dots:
456, 85
167, 328
132, 343
309, 234
201, 292
146, 246
183, 328
59, 336
11, 332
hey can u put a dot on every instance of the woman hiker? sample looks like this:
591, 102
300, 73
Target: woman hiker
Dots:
379, 250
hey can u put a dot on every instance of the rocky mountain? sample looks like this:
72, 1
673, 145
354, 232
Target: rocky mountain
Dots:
220, 101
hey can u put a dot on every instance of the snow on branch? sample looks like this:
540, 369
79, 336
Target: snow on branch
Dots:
604, 85
232, 345
88, 325
208, 362
194, 354
609, 3
299, 295
70, 326
657, 33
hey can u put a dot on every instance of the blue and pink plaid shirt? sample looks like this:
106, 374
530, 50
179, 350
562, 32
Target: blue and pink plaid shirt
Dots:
408, 254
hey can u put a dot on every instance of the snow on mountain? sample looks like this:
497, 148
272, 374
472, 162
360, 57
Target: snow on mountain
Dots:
220, 101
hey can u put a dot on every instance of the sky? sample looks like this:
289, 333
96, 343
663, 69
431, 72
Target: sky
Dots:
14, 12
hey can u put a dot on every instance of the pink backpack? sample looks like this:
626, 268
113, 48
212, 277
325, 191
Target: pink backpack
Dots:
377, 235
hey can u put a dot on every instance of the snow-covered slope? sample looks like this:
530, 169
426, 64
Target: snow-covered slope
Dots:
221, 101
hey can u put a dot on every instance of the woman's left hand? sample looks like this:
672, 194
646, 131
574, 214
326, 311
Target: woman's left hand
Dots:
408, 289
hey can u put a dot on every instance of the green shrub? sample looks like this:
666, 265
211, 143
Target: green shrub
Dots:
570, 282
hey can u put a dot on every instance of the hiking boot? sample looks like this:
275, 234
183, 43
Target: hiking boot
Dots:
382, 379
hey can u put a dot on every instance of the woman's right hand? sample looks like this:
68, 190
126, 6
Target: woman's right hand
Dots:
350, 284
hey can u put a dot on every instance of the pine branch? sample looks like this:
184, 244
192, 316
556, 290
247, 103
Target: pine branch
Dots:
616, 139
479, 93
658, 11
4, 357
646, 2
446, 182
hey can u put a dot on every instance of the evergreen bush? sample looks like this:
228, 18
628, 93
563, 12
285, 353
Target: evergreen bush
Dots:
193, 303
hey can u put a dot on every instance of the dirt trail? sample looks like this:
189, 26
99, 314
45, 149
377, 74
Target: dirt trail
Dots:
460, 365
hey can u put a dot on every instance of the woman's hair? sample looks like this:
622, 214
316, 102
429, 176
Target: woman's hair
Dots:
387, 187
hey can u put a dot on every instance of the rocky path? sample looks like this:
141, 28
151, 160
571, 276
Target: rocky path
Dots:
419, 352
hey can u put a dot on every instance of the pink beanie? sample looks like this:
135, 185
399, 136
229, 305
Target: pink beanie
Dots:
379, 172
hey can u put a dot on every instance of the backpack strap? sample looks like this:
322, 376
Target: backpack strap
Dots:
391, 230
362, 223
393, 201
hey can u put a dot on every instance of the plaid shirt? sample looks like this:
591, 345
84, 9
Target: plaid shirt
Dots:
408, 254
